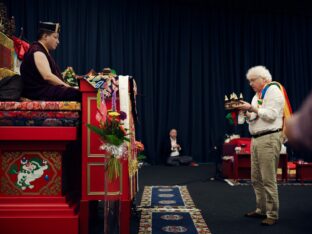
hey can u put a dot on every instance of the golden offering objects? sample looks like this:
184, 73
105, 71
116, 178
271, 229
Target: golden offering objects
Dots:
233, 102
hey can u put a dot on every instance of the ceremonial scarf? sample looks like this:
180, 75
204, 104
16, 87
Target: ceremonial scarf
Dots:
287, 106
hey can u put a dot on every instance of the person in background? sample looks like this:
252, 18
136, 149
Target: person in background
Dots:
173, 151
42, 79
265, 118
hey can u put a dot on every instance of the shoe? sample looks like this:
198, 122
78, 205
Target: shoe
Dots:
254, 214
193, 164
268, 222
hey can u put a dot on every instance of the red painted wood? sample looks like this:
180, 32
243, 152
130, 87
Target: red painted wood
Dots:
58, 146
227, 168
31, 199
242, 166
84, 217
96, 171
85, 87
125, 212
243, 140
34, 206
97, 183
39, 225
125, 182
303, 171
37, 215
93, 160
34, 214
17, 133
84, 149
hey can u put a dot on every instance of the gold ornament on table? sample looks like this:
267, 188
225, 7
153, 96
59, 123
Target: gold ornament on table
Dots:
233, 102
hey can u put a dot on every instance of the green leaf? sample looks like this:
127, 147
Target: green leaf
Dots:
112, 139
141, 157
95, 129
126, 139
113, 168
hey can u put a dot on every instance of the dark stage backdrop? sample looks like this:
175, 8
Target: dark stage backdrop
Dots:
185, 55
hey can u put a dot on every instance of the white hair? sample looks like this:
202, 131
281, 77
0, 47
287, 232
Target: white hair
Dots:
259, 71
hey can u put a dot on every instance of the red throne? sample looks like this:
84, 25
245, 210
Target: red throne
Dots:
31, 173
31, 198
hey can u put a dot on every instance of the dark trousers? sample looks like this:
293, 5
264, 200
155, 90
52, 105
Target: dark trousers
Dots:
53, 93
179, 160
61, 93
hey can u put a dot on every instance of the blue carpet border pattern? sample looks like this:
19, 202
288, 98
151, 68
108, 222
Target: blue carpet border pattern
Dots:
146, 201
146, 224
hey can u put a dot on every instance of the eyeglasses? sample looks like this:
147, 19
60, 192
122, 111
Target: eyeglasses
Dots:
251, 80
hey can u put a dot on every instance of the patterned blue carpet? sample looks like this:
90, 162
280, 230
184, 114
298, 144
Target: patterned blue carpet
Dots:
169, 209
166, 196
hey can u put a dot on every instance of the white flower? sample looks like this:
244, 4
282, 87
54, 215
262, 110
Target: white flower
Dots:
117, 151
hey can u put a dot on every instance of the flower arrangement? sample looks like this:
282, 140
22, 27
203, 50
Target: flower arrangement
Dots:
113, 136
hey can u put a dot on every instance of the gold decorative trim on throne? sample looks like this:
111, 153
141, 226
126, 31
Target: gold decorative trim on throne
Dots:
102, 192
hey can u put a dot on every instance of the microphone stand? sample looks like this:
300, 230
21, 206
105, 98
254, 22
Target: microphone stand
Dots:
217, 160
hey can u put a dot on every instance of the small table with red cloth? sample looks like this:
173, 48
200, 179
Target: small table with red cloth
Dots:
242, 164
303, 171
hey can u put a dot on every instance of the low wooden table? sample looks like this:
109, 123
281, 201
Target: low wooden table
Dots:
303, 171
242, 166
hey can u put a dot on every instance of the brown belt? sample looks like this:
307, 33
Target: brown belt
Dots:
266, 133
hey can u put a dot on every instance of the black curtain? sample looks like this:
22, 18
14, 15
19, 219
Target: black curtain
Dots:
185, 56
